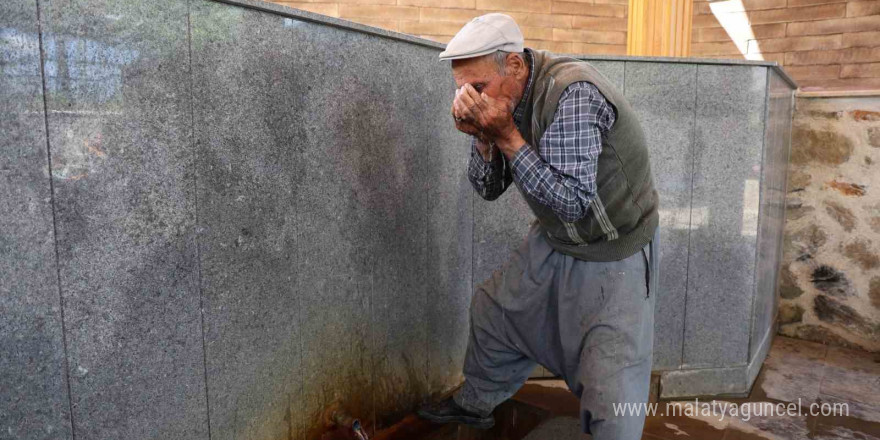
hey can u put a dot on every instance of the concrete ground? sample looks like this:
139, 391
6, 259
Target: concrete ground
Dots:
796, 372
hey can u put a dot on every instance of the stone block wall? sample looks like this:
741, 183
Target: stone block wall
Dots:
576, 26
830, 279
830, 44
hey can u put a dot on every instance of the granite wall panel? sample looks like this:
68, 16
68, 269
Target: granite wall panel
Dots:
500, 226
727, 166
368, 125
450, 236
118, 103
249, 101
34, 402
344, 157
614, 71
389, 177
664, 98
777, 138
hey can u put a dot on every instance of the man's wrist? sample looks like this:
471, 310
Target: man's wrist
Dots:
510, 143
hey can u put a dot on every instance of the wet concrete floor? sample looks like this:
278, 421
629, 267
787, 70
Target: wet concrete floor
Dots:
799, 372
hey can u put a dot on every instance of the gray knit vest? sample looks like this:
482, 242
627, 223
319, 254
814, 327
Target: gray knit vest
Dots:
623, 216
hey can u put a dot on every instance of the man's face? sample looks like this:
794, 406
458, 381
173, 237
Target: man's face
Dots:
482, 74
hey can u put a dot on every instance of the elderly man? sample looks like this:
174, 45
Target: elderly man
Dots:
578, 295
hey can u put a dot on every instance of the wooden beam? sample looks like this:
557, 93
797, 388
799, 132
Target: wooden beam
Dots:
659, 27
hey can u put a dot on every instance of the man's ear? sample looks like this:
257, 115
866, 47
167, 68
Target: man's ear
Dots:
515, 65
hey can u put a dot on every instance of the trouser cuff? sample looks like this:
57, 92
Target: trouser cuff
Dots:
468, 398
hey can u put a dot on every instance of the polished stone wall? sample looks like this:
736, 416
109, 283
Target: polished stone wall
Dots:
253, 214
34, 399
222, 218
777, 140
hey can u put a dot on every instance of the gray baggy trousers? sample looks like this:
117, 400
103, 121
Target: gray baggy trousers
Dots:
592, 323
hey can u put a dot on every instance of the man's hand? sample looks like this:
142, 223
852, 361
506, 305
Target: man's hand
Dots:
463, 118
491, 118
484, 146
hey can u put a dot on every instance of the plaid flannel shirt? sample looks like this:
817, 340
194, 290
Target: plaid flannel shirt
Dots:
562, 172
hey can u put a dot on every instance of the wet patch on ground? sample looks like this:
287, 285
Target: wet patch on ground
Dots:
797, 375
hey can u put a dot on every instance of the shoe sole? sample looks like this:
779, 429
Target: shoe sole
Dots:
469, 421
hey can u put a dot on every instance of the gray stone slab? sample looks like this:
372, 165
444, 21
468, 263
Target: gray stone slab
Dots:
664, 97
390, 179
450, 234
761, 348
119, 106
613, 70
734, 381
250, 127
695, 61
777, 139
698, 382
362, 165
34, 402
721, 268
499, 228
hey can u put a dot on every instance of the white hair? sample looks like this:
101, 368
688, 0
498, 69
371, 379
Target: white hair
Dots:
500, 58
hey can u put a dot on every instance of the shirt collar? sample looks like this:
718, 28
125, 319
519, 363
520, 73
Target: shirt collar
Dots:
520, 109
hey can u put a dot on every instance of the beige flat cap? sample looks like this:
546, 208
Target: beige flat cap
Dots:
484, 35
